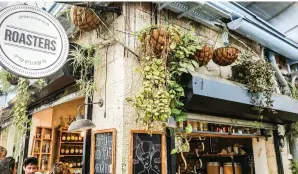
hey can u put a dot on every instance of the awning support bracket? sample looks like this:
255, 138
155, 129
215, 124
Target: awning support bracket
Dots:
188, 11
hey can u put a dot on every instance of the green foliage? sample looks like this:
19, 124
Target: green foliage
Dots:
83, 60
4, 78
162, 92
19, 110
292, 131
294, 166
294, 91
258, 77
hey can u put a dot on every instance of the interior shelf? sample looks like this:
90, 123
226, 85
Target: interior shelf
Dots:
222, 134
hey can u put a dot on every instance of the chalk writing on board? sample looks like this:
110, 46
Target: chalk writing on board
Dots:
103, 153
147, 155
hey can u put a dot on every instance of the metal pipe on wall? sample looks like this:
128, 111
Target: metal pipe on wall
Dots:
278, 75
263, 36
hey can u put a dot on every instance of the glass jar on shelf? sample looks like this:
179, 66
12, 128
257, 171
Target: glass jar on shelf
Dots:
63, 137
72, 150
68, 137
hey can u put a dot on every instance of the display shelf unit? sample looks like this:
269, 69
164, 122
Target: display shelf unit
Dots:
222, 134
42, 147
70, 149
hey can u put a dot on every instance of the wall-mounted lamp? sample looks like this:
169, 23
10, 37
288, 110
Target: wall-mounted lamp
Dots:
82, 124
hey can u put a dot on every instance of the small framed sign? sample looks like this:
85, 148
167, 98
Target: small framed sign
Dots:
103, 151
147, 152
33, 43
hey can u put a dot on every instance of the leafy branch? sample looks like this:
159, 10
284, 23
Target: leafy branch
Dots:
83, 60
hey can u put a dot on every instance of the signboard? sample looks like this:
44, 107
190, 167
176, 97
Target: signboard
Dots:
33, 43
147, 154
103, 151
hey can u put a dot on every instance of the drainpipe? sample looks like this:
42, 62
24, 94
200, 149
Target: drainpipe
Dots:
293, 145
278, 75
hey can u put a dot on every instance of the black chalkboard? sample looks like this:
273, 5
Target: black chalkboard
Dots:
103, 151
147, 154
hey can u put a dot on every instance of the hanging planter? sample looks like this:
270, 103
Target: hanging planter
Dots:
13, 80
204, 55
225, 56
84, 18
158, 39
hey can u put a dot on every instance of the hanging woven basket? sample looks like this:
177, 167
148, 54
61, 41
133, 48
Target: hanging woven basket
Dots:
158, 39
84, 18
225, 56
204, 55
13, 80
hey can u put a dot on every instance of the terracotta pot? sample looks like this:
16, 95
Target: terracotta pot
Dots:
204, 55
84, 18
225, 56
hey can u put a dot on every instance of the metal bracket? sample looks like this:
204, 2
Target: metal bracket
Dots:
95, 7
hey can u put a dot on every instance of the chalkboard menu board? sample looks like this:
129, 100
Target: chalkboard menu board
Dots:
147, 155
103, 151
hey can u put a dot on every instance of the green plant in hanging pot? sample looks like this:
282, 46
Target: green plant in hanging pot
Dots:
7, 80
226, 55
258, 76
83, 59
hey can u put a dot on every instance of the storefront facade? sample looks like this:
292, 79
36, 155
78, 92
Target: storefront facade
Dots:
117, 79
116, 120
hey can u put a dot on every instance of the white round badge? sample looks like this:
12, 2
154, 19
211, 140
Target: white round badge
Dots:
33, 43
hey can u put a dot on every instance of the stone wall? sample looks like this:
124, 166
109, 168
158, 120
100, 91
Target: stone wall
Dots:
116, 78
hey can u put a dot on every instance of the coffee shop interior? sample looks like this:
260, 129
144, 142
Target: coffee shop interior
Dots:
50, 141
219, 148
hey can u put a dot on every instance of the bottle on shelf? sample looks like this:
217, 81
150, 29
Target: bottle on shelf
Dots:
72, 137
81, 150
76, 138
78, 164
80, 138
63, 137
68, 137
72, 150
67, 150
77, 150
70, 165
62, 150
44, 164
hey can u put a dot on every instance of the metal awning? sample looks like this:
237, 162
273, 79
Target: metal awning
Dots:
217, 96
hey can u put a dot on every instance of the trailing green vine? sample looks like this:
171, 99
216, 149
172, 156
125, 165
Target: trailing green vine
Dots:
7, 81
294, 166
166, 53
19, 110
258, 77
83, 60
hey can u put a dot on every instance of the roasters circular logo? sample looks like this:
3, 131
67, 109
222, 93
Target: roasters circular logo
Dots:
33, 43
